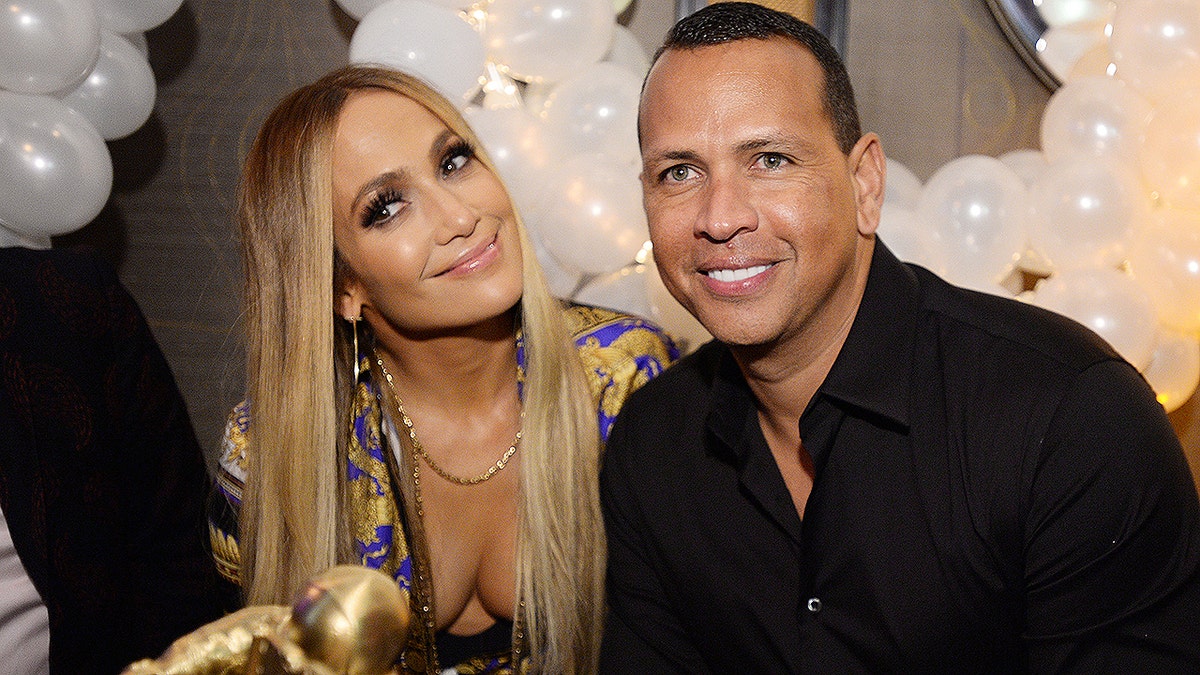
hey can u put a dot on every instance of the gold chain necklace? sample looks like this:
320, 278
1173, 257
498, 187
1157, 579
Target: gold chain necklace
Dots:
419, 450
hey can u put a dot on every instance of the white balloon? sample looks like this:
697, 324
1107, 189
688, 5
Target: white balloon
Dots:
975, 208
1096, 116
1156, 46
135, 16
548, 39
1170, 154
1064, 12
1086, 212
138, 40
1110, 303
908, 238
434, 43
1174, 369
513, 140
357, 9
627, 52
118, 95
903, 188
592, 218
562, 281
1165, 260
1061, 47
1029, 165
55, 171
47, 45
12, 239
595, 111
624, 290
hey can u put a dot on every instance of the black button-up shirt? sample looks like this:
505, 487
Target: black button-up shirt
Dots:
995, 491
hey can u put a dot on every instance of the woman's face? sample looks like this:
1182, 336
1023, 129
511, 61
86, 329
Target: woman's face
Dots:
427, 230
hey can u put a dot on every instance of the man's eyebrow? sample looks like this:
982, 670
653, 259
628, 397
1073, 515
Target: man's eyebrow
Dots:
666, 155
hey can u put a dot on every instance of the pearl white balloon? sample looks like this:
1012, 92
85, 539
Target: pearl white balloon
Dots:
1174, 369
909, 238
432, 42
12, 239
135, 16
138, 40
1095, 116
513, 140
1170, 154
47, 45
975, 208
1165, 260
118, 95
595, 111
1110, 303
561, 280
624, 290
626, 51
1156, 46
1064, 12
548, 40
357, 9
1061, 47
55, 171
1086, 212
1029, 165
903, 188
592, 219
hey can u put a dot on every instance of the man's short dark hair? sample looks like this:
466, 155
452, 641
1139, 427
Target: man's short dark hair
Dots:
730, 21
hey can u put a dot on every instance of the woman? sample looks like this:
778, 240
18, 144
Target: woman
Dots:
415, 400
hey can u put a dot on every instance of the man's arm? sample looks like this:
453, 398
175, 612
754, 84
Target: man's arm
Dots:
1113, 536
641, 635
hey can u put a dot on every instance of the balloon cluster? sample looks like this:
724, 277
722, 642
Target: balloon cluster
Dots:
73, 74
551, 87
1103, 223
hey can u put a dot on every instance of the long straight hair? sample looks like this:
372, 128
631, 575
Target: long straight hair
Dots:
293, 521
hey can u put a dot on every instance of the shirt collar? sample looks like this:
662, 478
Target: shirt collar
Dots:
871, 373
872, 370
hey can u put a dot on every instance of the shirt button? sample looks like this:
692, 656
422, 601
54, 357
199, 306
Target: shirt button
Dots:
814, 605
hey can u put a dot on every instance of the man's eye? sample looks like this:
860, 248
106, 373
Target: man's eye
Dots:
773, 161
678, 173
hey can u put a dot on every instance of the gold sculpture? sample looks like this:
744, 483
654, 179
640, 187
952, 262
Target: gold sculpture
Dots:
349, 620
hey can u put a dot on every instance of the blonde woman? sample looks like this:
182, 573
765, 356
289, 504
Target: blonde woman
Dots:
417, 401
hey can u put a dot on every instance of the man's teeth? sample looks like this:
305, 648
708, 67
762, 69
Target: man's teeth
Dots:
737, 275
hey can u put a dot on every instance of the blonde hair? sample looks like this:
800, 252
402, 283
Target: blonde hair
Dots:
293, 522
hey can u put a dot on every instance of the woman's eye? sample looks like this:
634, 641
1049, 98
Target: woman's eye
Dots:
382, 209
455, 162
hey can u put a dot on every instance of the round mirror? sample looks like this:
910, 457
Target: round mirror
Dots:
1024, 26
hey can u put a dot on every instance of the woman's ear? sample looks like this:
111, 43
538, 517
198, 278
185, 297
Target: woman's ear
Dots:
870, 171
350, 305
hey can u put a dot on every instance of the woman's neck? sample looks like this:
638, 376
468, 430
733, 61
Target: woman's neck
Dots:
460, 370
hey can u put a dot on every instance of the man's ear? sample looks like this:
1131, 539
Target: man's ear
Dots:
870, 171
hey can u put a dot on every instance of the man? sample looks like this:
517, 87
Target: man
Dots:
103, 556
869, 470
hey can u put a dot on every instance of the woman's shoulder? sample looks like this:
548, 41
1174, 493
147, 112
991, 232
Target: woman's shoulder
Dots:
620, 353
608, 328
231, 462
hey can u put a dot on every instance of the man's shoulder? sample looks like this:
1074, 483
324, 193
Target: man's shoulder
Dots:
1011, 328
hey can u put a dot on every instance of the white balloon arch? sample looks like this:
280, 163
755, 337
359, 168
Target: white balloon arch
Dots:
72, 76
1101, 224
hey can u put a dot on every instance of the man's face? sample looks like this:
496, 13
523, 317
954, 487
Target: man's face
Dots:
760, 223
